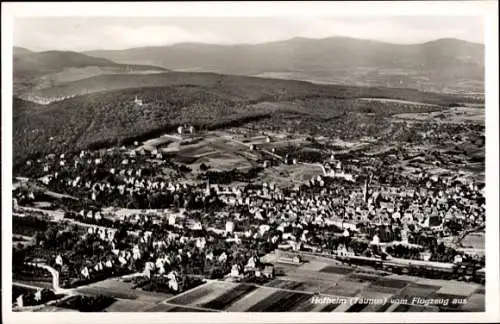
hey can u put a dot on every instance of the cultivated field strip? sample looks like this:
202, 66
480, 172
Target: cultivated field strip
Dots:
229, 297
337, 270
475, 303
294, 292
188, 308
198, 295
416, 290
279, 301
121, 290
124, 305
250, 299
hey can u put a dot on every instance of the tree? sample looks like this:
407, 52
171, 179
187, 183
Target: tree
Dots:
18, 257
50, 234
121, 234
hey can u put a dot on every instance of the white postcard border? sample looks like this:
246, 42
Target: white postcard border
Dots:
487, 9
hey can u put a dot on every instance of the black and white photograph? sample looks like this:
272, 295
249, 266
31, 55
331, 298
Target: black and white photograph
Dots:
318, 162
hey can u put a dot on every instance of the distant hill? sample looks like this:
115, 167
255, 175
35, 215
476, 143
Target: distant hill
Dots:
55, 61
35, 70
444, 64
18, 51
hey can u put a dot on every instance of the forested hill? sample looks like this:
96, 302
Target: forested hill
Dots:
206, 100
251, 88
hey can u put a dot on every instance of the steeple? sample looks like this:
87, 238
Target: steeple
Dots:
368, 180
365, 191
207, 189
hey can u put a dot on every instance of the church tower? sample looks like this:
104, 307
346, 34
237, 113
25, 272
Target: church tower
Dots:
207, 189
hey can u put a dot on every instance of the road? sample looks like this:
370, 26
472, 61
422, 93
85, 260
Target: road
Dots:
55, 278
26, 285
55, 286
23, 180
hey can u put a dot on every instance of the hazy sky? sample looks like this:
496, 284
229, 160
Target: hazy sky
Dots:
77, 33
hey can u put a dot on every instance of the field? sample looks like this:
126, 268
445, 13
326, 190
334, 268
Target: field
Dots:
53, 309
218, 153
284, 175
202, 294
280, 301
294, 291
475, 303
455, 115
36, 71
71, 74
474, 240
221, 151
123, 305
297, 289
158, 142
394, 100
122, 290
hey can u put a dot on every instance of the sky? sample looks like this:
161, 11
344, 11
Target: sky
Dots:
91, 33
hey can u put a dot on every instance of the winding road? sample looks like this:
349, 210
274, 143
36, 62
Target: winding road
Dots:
55, 277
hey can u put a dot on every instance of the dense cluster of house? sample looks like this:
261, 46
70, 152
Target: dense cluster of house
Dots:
163, 251
222, 229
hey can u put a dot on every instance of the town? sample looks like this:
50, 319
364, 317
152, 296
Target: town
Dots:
239, 210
